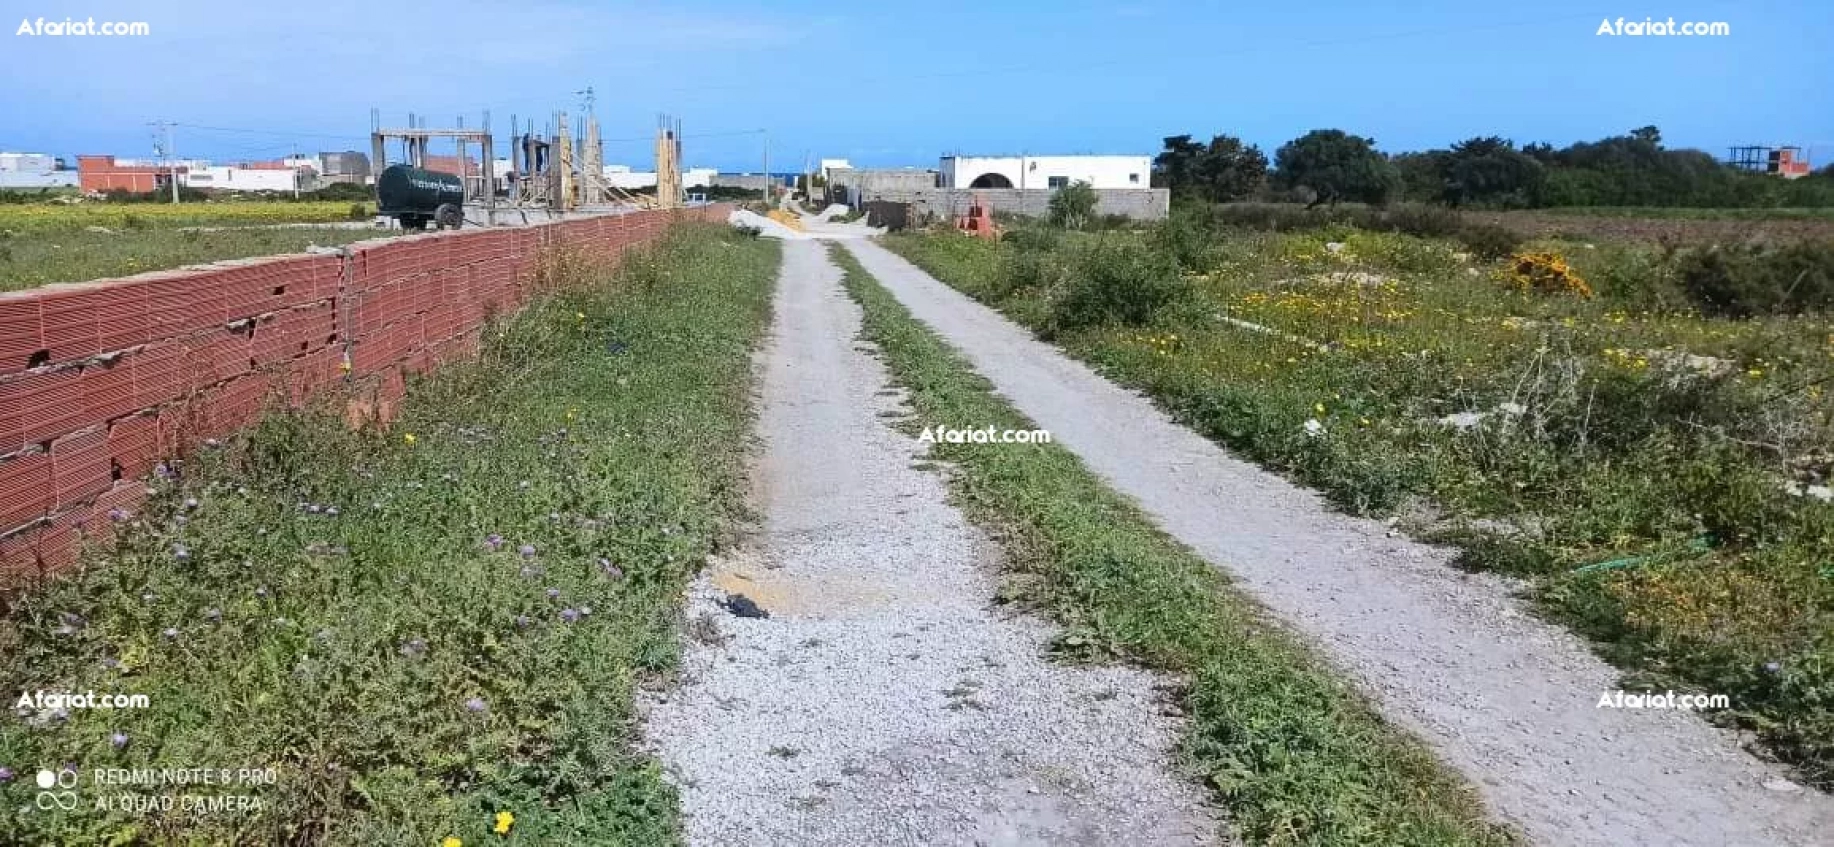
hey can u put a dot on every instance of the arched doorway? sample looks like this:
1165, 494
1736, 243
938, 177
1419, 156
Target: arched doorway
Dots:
991, 180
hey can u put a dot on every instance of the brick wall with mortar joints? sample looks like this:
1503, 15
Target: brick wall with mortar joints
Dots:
101, 380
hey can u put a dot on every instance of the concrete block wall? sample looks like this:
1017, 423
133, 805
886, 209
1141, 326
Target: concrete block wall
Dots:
100, 381
1143, 204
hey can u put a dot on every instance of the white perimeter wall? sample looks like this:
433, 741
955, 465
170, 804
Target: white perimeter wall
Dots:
1036, 171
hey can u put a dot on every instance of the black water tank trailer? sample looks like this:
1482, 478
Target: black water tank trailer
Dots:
416, 197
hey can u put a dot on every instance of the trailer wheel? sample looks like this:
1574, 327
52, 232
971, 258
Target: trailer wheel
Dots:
449, 216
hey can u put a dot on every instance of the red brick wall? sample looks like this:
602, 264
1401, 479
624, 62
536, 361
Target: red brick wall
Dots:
100, 380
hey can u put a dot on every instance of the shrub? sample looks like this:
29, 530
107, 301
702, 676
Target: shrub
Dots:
1415, 219
1750, 280
1489, 241
1037, 270
1187, 238
1073, 206
1547, 273
1125, 284
1031, 239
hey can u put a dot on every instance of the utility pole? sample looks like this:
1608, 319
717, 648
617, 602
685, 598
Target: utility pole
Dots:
767, 169
165, 150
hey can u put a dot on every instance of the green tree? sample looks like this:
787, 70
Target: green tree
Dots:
1176, 167
1073, 206
1230, 170
1225, 169
1492, 171
1335, 166
1423, 175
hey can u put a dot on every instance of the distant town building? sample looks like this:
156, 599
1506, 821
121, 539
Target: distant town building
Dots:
1045, 171
253, 176
348, 166
104, 173
622, 177
1786, 162
26, 171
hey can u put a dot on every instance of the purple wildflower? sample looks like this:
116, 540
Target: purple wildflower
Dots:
164, 471
493, 541
414, 648
553, 594
569, 615
609, 569
522, 621
527, 551
118, 739
118, 515
475, 704
7, 774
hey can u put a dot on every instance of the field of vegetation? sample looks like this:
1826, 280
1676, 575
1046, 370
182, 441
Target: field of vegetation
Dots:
1643, 432
74, 256
432, 632
33, 218
46, 242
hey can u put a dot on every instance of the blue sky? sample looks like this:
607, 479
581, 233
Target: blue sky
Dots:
900, 83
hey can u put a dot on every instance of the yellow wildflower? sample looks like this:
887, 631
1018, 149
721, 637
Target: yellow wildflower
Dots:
451, 842
408, 437
504, 821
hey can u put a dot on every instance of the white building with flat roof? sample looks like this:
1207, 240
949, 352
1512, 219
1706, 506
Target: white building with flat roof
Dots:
231, 178
1045, 171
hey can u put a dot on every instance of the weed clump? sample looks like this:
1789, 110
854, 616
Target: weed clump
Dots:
1127, 284
1750, 280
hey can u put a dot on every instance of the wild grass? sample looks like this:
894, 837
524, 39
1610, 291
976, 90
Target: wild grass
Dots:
1542, 432
1290, 750
41, 258
426, 626
32, 218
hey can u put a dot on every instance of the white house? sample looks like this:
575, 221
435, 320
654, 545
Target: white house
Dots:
231, 178
1046, 171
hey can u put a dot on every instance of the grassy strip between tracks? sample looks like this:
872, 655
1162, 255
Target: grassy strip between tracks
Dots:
1292, 752
432, 632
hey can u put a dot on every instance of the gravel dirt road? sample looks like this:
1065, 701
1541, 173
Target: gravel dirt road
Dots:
1507, 699
884, 701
